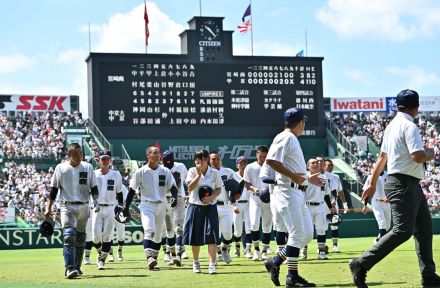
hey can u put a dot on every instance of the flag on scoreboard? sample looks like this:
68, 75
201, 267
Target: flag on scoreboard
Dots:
300, 53
147, 31
246, 26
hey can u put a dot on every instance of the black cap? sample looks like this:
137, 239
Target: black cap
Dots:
407, 99
105, 153
294, 114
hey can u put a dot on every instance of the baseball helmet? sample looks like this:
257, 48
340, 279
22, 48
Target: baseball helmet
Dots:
334, 219
265, 195
46, 228
205, 191
168, 159
122, 215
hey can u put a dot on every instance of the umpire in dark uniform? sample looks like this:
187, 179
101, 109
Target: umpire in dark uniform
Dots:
403, 153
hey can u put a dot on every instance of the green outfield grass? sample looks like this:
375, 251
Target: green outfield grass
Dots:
44, 268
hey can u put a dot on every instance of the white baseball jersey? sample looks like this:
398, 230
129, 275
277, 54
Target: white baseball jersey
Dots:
286, 149
211, 178
153, 184
380, 193
74, 183
179, 171
315, 193
226, 174
108, 185
334, 181
252, 175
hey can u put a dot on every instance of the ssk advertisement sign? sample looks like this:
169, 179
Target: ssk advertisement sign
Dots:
35, 103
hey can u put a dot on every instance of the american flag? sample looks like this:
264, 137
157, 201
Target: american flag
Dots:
245, 27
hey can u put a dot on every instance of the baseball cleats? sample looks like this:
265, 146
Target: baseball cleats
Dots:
248, 254
71, 273
152, 264
87, 260
298, 281
226, 257
196, 268
175, 261
166, 258
184, 255
264, 256
433, 281
101, 265
256, 256
111, 258
321, 255
273, 270
120, 257
303, 253
80, 273
336, 249
269, 251
359, 274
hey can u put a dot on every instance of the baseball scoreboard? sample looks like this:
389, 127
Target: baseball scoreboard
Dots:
203, 92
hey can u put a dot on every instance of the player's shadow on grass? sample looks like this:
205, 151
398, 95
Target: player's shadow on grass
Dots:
389, 284
114, 276
241, 272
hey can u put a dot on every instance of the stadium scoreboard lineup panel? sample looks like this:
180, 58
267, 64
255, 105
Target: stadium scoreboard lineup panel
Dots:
203, 92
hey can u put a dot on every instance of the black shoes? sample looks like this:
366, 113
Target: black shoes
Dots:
273, 270
359, 274
431, 281
298, 281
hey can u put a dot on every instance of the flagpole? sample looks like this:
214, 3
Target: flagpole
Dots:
252, 30
306, 41
200, 7
90, 40
146, 39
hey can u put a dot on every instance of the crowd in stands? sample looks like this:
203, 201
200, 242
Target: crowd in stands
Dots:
372, 124
30, 136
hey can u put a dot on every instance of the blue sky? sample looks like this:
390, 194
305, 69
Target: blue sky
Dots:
371, 48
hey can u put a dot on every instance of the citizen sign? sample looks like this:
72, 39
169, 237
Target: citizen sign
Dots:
34, 103
357, 105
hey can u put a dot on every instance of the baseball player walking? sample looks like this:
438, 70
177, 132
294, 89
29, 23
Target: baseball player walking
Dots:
335, 191
317, 199
257, 209
403, 152
241, 213
286, 158
103, 219
120, 227
177, 214
381, 206
76, 181
153, 181
224, 207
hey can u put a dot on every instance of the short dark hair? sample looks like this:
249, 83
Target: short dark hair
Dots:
201, 154
74, 146
292, 124
262, 148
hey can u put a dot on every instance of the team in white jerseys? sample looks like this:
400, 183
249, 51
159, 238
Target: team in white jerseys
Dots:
263, 202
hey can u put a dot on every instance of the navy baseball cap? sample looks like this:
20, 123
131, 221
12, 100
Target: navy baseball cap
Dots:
407, 99
240, 159
105, 153
294, 114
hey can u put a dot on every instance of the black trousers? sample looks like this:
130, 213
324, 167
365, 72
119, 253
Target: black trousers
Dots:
411, 217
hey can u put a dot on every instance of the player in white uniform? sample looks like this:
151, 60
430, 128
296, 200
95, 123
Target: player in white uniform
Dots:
153, 181
76, 181
285, 156
224, 207
335, 191
179, 171
120, 227
89, 235
381, 206
241, 213
103, 219
317, 199
257, 209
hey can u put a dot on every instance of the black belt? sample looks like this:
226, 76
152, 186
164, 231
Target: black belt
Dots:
220, 203
299, 187
381, 200
106, 205
242, 201
74, 202
314, 203
404, 176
